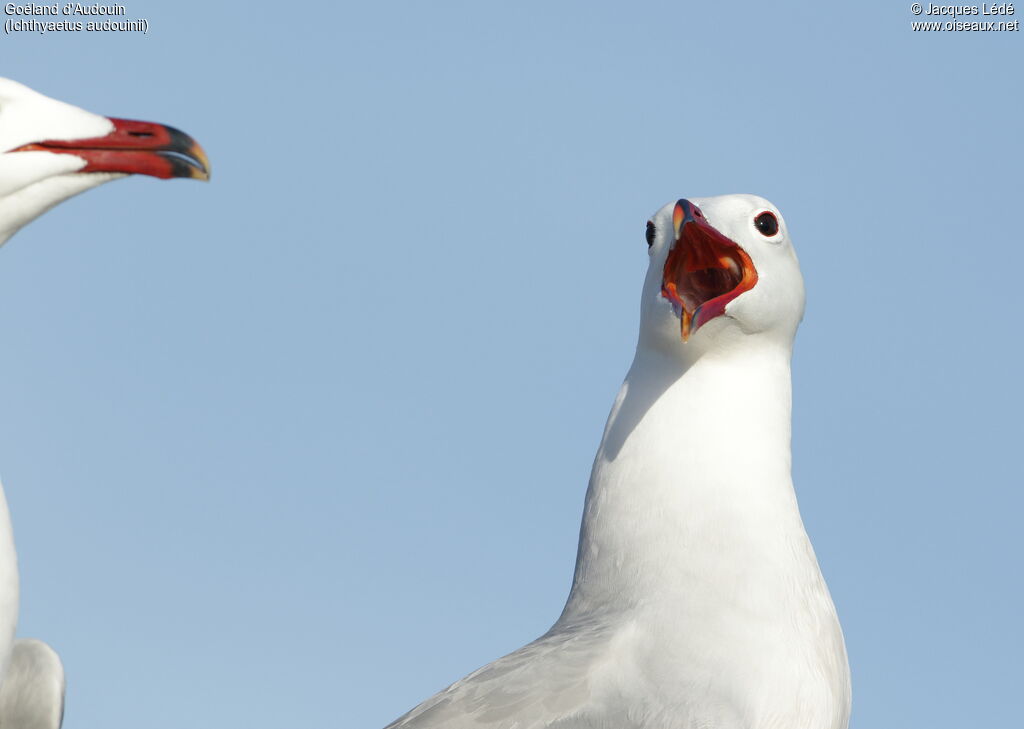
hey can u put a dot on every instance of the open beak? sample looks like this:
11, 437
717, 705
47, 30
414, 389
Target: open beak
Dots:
135, 148
704, 270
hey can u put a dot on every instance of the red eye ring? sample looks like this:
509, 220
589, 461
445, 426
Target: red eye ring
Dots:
767, 224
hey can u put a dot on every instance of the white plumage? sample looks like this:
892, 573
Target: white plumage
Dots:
697, 601
32, 695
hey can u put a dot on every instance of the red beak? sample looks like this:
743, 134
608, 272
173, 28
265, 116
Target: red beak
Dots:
135, 148
704, 270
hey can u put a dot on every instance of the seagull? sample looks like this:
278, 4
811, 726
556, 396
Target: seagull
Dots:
50, 151
697, 601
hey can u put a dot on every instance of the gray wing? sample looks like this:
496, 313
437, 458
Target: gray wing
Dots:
542, 684
32, 693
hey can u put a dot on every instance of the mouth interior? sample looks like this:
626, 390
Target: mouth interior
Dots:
703, 272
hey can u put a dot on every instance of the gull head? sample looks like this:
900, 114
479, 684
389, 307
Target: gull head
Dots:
50, 151
721, 269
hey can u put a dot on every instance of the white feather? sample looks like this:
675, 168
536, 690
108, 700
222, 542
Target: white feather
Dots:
32, 695
33, 182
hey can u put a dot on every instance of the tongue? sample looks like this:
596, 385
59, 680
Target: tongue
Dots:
708, 283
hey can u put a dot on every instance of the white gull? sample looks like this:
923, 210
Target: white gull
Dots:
697, 601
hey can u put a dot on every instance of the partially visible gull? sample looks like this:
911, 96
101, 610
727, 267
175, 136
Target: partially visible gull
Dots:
50, 151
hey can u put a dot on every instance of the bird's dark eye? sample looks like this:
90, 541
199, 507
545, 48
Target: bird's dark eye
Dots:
651, 232
767, 223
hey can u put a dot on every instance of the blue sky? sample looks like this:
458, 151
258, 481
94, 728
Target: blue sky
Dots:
304, 445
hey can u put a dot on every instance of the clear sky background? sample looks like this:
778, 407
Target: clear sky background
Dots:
302, 446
